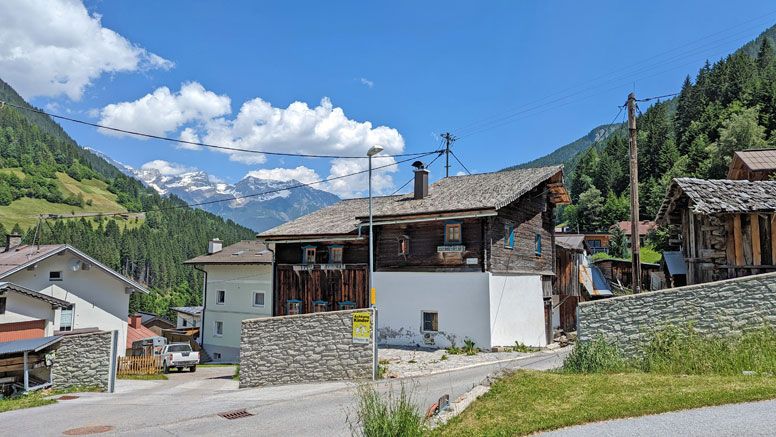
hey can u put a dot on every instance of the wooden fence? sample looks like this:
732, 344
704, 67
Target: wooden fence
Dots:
140, 365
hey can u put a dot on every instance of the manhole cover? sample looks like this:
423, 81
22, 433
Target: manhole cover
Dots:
67, 398
236, 414
86, 430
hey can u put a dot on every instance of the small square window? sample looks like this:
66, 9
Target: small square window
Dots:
218, 328
258, 299
335, 254
308, 255
55, 276
538, 244
220, 297
294, 306
347, 305
453, 233
216, 355
430, 321
320, 306
509, 236
404, 245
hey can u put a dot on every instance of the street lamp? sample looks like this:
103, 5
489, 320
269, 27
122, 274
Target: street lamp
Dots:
374, 150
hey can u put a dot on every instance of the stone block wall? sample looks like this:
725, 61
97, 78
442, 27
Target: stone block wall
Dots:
83, 360
724, 308
303, 348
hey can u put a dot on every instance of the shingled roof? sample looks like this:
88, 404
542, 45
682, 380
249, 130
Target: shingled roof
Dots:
242, 252
484, 191
721, 196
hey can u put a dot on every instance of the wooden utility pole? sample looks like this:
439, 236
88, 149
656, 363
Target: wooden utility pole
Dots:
634, 192
449, 138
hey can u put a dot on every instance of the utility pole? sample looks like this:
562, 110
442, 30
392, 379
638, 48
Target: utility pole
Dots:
634, 192
449, 138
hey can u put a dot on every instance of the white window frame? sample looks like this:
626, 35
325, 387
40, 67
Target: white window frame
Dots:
61, 276
219, 294
263, 299
72, 318
423, 320
215, 328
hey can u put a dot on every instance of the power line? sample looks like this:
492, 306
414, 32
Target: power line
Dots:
245, 196
196, 143
657, 97
413, 178
459, 161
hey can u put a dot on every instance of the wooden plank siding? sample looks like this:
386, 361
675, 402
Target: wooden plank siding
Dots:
333, 286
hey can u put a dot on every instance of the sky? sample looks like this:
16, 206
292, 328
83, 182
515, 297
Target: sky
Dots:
511, 80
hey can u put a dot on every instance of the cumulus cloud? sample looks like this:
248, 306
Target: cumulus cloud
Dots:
166, 168
366, 82
301, 173
163, 111
55, 47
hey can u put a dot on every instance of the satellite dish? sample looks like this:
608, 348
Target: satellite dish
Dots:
75, 264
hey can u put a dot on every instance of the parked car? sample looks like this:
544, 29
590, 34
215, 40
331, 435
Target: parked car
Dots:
179, 355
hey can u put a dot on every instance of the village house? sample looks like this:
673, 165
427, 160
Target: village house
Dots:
722, 228
644, 228
470, 257
188, 317
238, 286
753, 165
83, 293
155, 322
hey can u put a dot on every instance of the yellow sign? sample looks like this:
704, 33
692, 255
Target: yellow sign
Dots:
362, 327
372, 296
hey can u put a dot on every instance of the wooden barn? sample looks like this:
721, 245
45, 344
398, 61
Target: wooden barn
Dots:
753, 165
723, 228
569, 256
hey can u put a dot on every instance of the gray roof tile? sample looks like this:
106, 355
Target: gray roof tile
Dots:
720, 196
242, 252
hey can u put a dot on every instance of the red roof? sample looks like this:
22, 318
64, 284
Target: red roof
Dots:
644, 227
139, 333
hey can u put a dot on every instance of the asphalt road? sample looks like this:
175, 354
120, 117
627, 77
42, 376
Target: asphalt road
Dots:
748, 419
188, 404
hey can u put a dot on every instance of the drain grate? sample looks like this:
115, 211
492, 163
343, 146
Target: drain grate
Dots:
67, 398
236, 414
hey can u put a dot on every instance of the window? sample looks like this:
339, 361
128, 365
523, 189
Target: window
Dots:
430, 321
216, 355
220, 297
308, 254
66, 319
335, 254
294, 306
595, 243
347, 305
258, 299
404, 245
218, 328
183, 322
538, 244
2, 305
320, 306
55, 276
453, 233
509, 236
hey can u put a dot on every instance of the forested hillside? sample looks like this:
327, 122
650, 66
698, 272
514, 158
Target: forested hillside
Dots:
42, 170
727, 106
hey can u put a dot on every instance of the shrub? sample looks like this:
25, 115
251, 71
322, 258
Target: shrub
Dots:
469, 347
387, 416
594, 356
520, 347
454, 350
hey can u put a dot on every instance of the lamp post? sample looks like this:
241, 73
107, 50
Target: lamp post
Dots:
374, 150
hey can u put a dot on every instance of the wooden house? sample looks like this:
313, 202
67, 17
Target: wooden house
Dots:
467, 257
569, 257
723, 228
753, 165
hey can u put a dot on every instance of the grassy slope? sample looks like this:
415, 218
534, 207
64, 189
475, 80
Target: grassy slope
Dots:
24, 211
527, 402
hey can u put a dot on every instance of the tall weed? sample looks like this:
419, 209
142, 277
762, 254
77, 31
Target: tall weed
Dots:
387, 416
594, 357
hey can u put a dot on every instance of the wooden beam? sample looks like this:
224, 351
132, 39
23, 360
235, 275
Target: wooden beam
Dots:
730, 247
773, 239
756, 253
738, 239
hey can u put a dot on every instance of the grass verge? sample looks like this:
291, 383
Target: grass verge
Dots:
154, 377
39, 398
386, 416
529, 401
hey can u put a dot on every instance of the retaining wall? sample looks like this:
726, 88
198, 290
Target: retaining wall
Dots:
720, 308
303, 348
83, 360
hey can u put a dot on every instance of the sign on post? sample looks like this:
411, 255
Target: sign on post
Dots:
362, 327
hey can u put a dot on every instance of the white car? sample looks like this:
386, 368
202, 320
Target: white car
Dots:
179, 355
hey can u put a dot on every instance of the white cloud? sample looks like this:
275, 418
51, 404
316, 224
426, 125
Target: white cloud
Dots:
301, 173
163, 111
55, 47
368, 83
167, 168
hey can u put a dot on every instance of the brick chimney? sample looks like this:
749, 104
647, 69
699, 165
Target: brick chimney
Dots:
421, 180
214, 246
135, 321
12, 241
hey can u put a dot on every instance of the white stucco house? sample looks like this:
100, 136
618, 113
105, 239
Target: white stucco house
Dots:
238, 286
188, 317
26, 313
86, 293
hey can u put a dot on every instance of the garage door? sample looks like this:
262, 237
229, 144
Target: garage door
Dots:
22, 330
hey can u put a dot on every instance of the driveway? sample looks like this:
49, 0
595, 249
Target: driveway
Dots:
189, 403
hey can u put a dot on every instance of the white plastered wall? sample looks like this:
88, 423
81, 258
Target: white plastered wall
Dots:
23, 308
517, 310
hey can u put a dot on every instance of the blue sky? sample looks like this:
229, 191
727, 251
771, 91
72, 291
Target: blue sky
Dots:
418, 68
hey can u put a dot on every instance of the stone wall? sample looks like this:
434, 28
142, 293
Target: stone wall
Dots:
721, 308
83, 360
302, 348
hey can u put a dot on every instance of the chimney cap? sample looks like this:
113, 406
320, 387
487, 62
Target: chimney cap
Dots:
419, 165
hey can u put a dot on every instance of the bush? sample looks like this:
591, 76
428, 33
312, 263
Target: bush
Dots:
469, 347
594, 356
387, 416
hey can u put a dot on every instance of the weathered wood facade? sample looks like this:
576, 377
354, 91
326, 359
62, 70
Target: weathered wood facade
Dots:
567, 286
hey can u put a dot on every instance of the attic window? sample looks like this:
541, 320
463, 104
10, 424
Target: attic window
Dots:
308, 254
453, 233
55, 276
509, 236
335, 254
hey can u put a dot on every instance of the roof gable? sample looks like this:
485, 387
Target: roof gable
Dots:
242, 252
721, 196
59, 303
